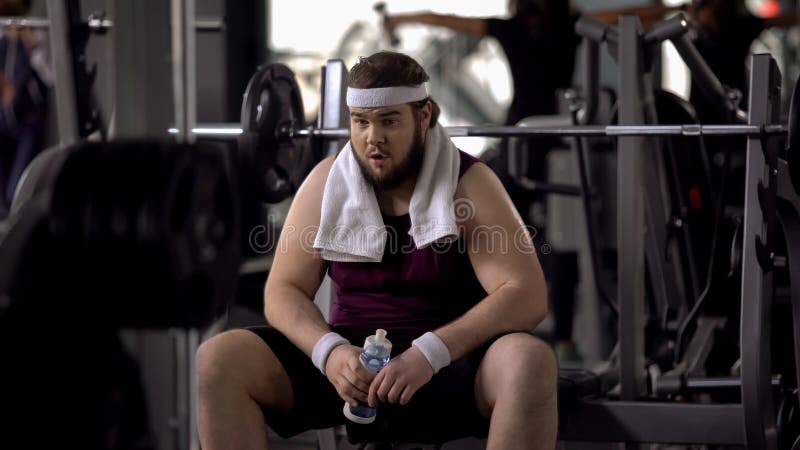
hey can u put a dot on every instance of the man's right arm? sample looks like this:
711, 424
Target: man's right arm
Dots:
296, 274
297, 270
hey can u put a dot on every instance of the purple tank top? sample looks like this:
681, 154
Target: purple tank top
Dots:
410, 291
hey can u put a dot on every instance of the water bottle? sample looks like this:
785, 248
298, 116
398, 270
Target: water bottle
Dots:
374, 357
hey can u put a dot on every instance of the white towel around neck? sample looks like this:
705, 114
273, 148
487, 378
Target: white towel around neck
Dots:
351, 227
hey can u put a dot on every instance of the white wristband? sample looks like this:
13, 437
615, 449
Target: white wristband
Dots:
434, 349
323, 348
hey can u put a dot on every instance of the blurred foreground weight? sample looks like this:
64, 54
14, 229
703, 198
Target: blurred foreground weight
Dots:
135, 234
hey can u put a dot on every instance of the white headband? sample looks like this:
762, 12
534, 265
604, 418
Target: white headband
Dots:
387, 96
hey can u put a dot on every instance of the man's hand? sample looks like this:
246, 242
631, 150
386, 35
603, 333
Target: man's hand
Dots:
348, 376
401, 378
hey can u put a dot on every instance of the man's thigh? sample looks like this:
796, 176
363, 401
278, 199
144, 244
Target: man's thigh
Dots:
316, 402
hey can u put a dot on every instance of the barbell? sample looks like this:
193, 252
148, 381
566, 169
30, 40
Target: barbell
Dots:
279, 149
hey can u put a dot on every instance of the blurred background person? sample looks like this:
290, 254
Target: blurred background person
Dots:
24, 77
724, 32
539, 42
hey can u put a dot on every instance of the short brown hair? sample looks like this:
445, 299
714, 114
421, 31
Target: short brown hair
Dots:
387, 69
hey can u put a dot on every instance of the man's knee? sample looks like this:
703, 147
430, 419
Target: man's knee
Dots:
216, 358
521, 359
240, 360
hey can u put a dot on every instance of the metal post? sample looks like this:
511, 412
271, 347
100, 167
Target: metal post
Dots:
66, 102
184, 91
192, 344
245, 49
143, 80
789, 211
145, 108
759, 413
334, 112
591, 80
662, 256
630, 214
184, 68
186, 343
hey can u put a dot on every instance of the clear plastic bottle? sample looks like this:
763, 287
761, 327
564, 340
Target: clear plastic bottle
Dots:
374, 357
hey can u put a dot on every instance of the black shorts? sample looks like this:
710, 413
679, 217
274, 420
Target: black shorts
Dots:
443, 409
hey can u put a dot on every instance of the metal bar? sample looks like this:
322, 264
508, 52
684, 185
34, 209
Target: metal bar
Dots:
706, 79
693, 361
667, 29
695, 130
205, 24
591, 29
27, 22
759, 414
590, 220
208, 24
558, 188
723, 382
689, 130
552, 188
630, 215
596, 30
63, 66
591, 81
646, 422
661, 254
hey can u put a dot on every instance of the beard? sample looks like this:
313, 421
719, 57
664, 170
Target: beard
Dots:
404, 170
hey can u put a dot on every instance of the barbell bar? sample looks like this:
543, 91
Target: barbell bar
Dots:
581, 131
98, 23
686, 130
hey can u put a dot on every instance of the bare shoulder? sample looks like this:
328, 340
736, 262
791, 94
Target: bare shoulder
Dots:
308, 199
482, 198
478, 177
314, 184
295, 259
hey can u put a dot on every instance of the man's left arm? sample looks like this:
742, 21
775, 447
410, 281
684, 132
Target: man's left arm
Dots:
503, 256
504, 259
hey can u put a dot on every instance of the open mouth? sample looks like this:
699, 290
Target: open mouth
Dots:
377, 156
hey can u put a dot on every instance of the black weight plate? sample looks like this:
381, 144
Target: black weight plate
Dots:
272, 110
